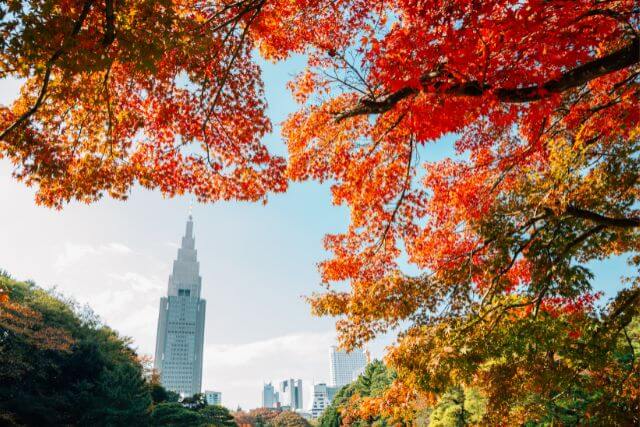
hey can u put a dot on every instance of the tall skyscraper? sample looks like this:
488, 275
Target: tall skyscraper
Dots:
270, 398
290, 394
344, 365
180, 337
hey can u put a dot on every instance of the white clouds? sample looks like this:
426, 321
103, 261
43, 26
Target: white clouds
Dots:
303, 345
122, 286
115, 247
74, 252
138, 282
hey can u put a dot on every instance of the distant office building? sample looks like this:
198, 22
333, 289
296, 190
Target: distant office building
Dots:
290, 394
180, 336
344, 365
213, 397
270, 398
322, 397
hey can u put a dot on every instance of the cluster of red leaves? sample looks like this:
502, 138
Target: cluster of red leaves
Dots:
165, 94
535, 140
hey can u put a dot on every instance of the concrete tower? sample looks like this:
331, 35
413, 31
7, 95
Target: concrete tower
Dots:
180, 337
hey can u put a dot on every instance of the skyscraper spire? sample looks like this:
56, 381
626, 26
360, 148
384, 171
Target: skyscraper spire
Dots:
180, 338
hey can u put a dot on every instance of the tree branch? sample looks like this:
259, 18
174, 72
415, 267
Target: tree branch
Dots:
622, 58
109, 24
603, 220
49, 67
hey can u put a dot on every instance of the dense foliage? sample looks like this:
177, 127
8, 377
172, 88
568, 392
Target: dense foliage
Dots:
266, 417
60, 366
347, 406
176, 414
456, 408
539, 98
378, 398
289, 419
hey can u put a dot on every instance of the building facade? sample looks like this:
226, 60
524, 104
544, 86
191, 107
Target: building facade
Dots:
180, 335
270, 397
344, 365
321, 399
290, 394
213, 397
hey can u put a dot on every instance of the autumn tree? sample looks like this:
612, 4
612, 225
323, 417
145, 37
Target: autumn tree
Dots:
352, 404
259, 417
540, 102
162, 93
538, 98
288, 419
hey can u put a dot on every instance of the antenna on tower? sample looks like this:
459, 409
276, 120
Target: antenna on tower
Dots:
191, 210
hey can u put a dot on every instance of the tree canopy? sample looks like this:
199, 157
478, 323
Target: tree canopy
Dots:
60, 366
268, 417
538, 98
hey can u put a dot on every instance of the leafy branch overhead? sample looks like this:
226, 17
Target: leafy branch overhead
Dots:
538, 98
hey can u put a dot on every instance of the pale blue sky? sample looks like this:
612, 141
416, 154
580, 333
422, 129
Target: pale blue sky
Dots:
256, 263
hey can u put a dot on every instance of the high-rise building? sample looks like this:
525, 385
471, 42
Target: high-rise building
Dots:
344, 365
322, 397
213, 397
180, 337
270, 397
290, 394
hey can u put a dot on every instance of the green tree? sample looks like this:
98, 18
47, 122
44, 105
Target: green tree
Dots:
121, 397
60, 366
196, 402
174, 414
375, 379
259, 417
160, 394
457, 408
217, 415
